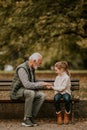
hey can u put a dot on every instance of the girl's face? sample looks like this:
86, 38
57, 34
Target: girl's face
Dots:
59, 71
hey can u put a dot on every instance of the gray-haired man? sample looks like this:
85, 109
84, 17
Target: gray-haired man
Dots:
24, 86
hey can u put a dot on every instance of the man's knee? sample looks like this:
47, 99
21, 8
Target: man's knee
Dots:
29, 93
42, 95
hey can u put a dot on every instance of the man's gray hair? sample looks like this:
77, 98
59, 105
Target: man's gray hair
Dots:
35, 56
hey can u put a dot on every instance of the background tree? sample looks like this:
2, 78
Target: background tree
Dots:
57, 29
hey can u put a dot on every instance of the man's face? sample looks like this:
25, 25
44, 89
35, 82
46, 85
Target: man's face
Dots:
38, 63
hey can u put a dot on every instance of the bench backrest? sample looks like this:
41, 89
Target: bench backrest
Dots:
5, 84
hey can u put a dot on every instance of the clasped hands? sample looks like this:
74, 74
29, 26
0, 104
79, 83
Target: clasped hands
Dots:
47, 85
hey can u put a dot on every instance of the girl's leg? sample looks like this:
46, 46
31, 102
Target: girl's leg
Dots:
66, 98
57, 99
67, 108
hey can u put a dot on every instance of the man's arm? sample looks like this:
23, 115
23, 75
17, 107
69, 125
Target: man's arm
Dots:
30, 85
25, 81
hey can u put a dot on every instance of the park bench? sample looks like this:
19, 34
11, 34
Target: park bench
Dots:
5, 85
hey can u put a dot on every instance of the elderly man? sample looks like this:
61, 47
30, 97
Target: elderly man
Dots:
24, 86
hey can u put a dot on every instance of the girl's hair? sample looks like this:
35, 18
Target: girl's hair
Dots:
64, 65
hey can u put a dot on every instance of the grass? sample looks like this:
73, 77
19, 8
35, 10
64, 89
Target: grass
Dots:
51, 71
46, 71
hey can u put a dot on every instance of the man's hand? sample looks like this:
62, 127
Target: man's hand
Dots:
47, 85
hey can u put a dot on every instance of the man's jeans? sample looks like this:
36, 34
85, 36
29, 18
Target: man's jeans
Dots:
66, 97
33, 102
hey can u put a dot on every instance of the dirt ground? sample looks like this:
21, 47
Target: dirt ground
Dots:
43, 125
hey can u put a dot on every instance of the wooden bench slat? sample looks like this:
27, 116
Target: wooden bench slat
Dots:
9, 83
22, 101
6, 84
46, 80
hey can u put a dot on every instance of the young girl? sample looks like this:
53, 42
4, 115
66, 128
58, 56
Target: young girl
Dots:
62, 86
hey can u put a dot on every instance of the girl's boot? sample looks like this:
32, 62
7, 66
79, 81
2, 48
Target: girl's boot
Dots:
59, 118
66, 117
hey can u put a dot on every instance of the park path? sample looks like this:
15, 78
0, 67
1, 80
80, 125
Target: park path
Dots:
43, 125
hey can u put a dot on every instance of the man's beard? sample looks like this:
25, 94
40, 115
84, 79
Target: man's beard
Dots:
35, 67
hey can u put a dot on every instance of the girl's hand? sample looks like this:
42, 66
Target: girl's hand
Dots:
50, 87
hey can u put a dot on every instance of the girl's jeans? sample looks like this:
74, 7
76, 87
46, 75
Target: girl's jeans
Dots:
66, 97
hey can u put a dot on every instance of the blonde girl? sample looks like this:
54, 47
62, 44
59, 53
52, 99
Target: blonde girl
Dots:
61, 87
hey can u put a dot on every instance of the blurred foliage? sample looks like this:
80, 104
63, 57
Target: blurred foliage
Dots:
55, 28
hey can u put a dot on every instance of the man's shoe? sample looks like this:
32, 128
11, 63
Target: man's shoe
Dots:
33, 121
27, 122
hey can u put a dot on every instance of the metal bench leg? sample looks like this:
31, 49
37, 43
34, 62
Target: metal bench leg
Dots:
72, 112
